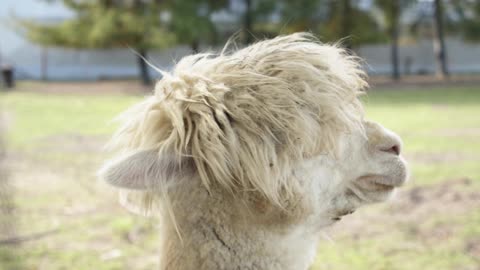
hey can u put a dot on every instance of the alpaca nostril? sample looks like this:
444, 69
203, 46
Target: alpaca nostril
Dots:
395, 149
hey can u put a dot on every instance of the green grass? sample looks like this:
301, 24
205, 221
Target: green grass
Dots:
440, 125
404, 248
372, 255
51, 134
38, 116
432, 123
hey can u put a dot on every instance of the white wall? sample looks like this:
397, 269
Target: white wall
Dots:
462, 57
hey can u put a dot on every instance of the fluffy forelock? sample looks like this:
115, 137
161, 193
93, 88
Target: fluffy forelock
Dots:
247, 117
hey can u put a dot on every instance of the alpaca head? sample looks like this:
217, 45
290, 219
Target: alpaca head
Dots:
276, 128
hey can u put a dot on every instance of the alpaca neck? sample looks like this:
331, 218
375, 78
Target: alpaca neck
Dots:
214, 245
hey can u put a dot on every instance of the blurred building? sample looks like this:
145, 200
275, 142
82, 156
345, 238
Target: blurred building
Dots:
34, 62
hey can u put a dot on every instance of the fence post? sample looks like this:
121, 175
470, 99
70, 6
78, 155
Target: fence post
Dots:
7, 76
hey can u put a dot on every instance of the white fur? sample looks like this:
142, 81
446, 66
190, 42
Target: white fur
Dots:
249, 154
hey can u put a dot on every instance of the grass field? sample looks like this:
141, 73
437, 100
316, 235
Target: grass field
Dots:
68, 220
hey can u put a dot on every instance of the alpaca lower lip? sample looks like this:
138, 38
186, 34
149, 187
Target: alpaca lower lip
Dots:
378, 182
383, 187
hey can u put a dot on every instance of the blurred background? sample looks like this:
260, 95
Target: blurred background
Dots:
69, 66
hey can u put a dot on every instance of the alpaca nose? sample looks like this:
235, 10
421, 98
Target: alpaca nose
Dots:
391, 143
383, 139
393, 149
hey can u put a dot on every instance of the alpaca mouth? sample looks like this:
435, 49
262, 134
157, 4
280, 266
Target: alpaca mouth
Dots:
379, 182
374, 188
369, 192
396, 177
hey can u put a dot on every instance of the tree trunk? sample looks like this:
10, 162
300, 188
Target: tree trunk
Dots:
346, 27
195, 46
439, 41
142, 65
44, 64
248, 22
394, 39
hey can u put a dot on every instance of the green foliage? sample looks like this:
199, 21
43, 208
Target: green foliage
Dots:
256, 19
460, 17
469, 13
332, 21
346, 19
303, 14
262, 9
391, 11
104, 24
191, 20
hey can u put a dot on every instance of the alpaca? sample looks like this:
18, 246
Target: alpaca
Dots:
248, 154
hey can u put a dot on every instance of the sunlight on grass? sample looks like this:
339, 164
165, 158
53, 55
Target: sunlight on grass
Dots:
403, 249
440, 129
63, 133
36, 116
431, 122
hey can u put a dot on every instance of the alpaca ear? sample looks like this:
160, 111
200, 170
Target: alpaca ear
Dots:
144, 170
